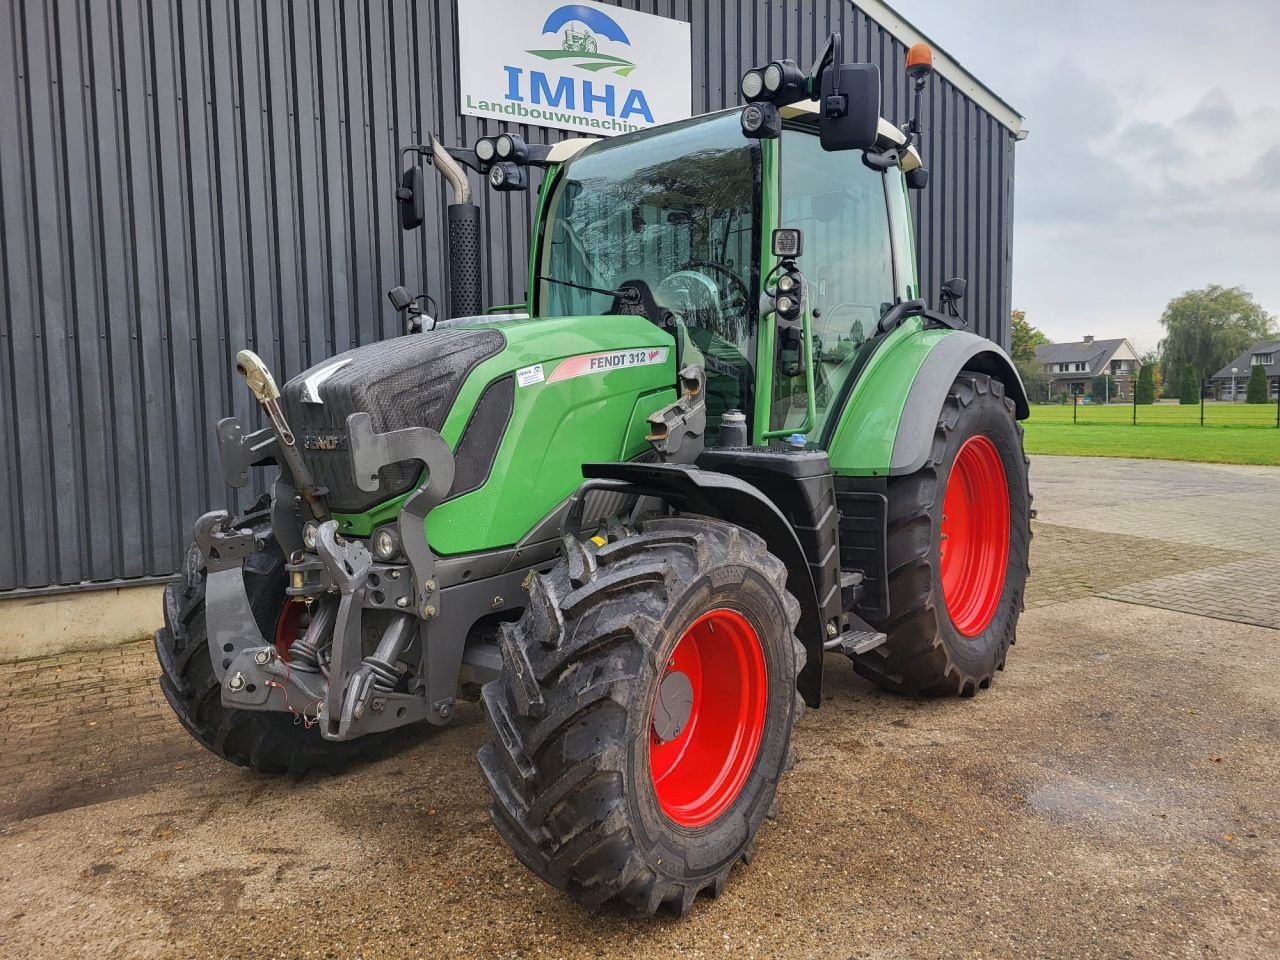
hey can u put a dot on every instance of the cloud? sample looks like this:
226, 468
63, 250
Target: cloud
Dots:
1266, 170
1214, 113
1153, 164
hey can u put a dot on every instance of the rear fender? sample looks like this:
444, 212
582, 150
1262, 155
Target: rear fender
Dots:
887, 424
953, 354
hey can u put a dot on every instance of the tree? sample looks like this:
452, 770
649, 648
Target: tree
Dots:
1257, 391
1034, 380
1205, 328
1153, 360
1101, 390
1024, 338
1145, 391
1189, 386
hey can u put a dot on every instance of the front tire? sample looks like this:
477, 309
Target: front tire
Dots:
644, 713
959, 535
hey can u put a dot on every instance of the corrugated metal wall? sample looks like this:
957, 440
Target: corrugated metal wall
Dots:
180, 179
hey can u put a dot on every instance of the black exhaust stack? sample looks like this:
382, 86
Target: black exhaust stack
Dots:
464, 260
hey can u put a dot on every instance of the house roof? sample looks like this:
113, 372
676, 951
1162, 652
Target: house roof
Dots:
1096, 353
1244, 362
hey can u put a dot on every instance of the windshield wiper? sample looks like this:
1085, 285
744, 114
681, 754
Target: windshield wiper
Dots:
627, 293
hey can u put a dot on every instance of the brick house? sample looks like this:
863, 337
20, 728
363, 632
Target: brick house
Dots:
1072, 367
1266, 354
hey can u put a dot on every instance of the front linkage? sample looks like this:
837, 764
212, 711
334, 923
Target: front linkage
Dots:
352, 601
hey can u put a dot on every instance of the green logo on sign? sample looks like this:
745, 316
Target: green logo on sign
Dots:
580, 46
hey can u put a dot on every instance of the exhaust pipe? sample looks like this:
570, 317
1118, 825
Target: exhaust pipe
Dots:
464, 236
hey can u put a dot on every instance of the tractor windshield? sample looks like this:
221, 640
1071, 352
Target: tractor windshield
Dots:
675, 208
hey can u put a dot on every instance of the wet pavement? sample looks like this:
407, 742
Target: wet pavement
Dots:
1115, 794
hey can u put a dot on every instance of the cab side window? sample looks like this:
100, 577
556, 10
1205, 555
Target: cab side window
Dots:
841, 206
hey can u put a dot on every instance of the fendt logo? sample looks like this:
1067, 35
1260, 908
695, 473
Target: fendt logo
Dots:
573, 65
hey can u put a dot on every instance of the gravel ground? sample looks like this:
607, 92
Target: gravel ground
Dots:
1113, 795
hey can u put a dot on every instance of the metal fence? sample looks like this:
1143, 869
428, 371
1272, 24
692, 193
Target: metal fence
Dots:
1208, 412
180, 179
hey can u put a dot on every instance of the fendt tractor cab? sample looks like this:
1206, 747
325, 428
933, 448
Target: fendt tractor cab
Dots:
724, 436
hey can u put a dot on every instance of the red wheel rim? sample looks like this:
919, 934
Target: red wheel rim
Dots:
700, 769
289, 626
975, 536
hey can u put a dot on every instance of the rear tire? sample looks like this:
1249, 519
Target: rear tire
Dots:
588, 736
951, 623
268, 742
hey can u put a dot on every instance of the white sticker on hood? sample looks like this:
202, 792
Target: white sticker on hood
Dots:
527, 376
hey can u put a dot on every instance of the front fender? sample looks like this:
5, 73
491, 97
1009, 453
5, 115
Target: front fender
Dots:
887, 424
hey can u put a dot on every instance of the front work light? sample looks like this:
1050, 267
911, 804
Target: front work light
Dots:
788, 243
508, 176
511, 146
784, 81
385, 544
781, 83
486, 149
761, 121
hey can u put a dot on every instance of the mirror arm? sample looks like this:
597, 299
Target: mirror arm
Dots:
904, 310
831, 53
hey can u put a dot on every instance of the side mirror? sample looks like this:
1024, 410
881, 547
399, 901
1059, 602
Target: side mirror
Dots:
918, 178
412, 199
850, 106
954, 289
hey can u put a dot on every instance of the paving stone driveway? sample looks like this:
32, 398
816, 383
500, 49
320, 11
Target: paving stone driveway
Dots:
1112, 796
1197, 538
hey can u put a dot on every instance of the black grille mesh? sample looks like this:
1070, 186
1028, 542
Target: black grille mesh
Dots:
405, 382
478, 445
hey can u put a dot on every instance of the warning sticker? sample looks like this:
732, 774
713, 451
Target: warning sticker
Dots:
606, 362
527, 376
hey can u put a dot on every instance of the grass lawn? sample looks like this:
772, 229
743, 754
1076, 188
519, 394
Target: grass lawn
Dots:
1233, 432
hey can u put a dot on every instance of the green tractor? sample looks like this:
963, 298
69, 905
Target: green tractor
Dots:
724, 437
584, 42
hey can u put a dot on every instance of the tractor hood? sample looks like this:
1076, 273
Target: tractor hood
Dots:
527, 390
409, 381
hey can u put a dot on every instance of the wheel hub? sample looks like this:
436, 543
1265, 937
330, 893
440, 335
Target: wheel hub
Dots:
707, 718
674, 705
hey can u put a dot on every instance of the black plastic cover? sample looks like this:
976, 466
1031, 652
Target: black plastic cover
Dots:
409, 381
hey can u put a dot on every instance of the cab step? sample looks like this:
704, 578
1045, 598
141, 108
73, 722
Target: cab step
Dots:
856, 642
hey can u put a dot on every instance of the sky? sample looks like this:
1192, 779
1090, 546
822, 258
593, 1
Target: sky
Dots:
1152, 164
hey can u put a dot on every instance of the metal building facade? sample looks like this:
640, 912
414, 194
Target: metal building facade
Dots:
180, 179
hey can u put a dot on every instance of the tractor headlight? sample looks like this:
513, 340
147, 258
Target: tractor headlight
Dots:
485, 149
508, 176
752, 84
761, 121
786, 283
309, 534
385, 544
786, 306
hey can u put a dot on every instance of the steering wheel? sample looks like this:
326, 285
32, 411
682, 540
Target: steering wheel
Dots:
727, 271
687, 293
